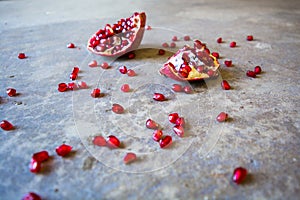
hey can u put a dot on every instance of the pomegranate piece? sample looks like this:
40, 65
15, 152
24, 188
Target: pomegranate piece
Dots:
173, 117
131, 55
249, 37
188, 90
174, 38
177, 88
257, 70
131, 72
178, 130
6, 125
104, 65
41, 156
219, 40
228, 63
180, 121
159, 97
63, 150
62, 87
35, 167
232, 44
251, 74
225, 85
71, 45
186, 63
165, 45
123, 70
239, 175
11, 92
96, 93
186, 38
215, 54
31, 196
129, 158
22, 56
222, 117
172, 44
157, 135
113, 142
161, 52
118, 39
125, 88
165, 141
151, 124
99, 141
117, 108
82, 85
93, 63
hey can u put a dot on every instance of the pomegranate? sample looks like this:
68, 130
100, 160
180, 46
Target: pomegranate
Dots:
186, 63
119, 38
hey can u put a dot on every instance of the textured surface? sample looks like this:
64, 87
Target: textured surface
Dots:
262, 134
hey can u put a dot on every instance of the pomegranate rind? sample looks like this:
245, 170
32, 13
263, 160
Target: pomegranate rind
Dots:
199, 57
140, 19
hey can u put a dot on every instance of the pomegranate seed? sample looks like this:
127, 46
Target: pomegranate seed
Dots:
225, 85
123, 69
172, 44
232, 44
151, 124
117, 108
104, 65
180, 121
157, 135
21, 56
113, 142
228, 63
173, 117
96, 93
41, 156
99, 141
125, 88
165, 45
73, 76
63, 150
35, 167
131, 72
11, 92
161, 52
210, 73
62, 87
257, 70
31, 196
93, 63
131, 55
148, 28
239, 175
250, 37
219, 40
72, 86
251, 74
187, 89
206, 50
178, 130
6, 125
177, 88
186, 38
71, 45
174, 38
222, 117
82, 84
200, 69
165, 142
129, 157
159, 97
215, 54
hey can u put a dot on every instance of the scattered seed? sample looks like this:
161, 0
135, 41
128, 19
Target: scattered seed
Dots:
186, 38
63, 150
151, 124
96, 93
93, 63
11, 92
225, 85
222, 117
251, 74
131, 72
172, 44
22, 56
250, 37
174, 38
6, 125
159, 97
123, 70
232, 44
71, 45
239, 175
62, 87
228, 63
129, 158
219, 40
125, 88
165, 45
161, 52
257, 70
117, 108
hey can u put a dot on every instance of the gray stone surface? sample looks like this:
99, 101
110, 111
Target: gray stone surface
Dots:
262, 135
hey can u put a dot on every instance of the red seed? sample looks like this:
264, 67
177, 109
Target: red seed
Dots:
82, 85
186, 38
165, 45
31, 196
219, 40
123, 69
71, 45
73, 76
180, 121
117, 108
63, 150
151, 124
222, 117
200, 69
34, 166
251, 74
11, 92
148, 28
257, 70
177, 88
99, 141
172, 44
249, 37
131, 55
225, 85
178, 130
104, 65
75, 70
41, 156
165, 142
159, 97
228, 63
215, 54
72, 86
174, 38
113, 142
206, 50
125, 88
157, 135
131, 72
173, 117
187, 89
96, 93
211, 73
93, 63
129, 158
232, 44
6, 125
62, 87
161, 52
239, 175
21, 56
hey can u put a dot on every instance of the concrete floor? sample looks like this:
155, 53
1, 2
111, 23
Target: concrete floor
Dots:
261, 135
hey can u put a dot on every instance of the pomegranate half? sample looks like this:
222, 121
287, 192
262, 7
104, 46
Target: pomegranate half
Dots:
191, 63
119, 38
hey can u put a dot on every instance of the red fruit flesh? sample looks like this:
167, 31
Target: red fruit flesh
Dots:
151, 124
119, 38
239, 175
63, 150
11, 92
129, 158
190, 63
225, 85
165, 141
99, 141
6, 125
173, 117
31, 196
41, 156
222, 117
117, 108
123, 70
251, 74
96, 93
21, 56
157, 135
35, 167
257, 70
159, 97
62, 87
228, 63
113, 142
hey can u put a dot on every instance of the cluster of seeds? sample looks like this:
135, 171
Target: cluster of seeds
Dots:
63, 87
175, 39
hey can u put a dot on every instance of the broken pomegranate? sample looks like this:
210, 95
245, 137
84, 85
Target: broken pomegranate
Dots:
165, 141
151, 124
157, 135
113, 142
119, 38
186, 63
159, 97
31, 196
129, 157
239, 175
6, 125
63, 150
